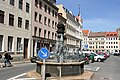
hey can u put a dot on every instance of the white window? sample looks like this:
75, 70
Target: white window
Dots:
10, 41
19, 47
1, 40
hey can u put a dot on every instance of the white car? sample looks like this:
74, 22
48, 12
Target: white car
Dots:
98, 57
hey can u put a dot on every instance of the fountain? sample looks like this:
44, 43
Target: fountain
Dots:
64, 64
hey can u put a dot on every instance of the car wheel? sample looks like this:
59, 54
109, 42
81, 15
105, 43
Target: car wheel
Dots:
99, 60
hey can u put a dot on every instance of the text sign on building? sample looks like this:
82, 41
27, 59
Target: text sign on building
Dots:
43, 53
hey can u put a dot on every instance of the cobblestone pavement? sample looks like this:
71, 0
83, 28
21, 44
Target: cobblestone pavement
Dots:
109, 70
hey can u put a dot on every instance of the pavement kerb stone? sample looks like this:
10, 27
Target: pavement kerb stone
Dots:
87, 75
20, 62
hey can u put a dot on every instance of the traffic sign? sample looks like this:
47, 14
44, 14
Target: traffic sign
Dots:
43, 53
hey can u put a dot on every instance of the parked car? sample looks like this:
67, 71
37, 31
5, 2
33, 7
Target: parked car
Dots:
34, 59
98, 57
103, 54
116, 54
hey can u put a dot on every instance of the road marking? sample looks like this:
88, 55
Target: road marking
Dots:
97, 68
91, 68
13, 78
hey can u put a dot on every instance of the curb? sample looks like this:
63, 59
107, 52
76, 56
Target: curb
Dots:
87, 75
20, 62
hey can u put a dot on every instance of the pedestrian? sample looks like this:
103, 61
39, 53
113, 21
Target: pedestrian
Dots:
7, 58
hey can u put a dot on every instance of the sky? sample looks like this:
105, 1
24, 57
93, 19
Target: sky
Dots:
97, 15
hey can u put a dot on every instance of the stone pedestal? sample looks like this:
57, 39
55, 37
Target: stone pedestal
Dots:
61, 69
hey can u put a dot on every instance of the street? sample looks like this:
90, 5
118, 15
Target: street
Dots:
17, 69
109, 70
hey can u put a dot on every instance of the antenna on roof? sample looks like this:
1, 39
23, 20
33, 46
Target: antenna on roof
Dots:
79, 10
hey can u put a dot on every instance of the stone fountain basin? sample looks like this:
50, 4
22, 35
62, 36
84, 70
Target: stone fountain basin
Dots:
61, 69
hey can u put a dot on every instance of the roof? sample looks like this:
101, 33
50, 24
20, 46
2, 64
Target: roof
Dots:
85, 32
97, 34
111, 34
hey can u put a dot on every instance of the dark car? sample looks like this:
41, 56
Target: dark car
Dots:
34, 59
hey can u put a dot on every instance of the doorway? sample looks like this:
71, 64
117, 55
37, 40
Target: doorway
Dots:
25, 53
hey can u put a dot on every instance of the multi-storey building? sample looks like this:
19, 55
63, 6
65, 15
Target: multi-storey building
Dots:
103, 41
112, 42
73, 30
15, 27
44, 24
85, 39
96, 41
118, 30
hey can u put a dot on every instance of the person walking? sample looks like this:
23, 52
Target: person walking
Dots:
7, 58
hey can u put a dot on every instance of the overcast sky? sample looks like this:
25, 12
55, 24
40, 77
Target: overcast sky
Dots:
98, 15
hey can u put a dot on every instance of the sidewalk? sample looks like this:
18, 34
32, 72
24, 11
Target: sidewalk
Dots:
20, 62
87, 75
15, 62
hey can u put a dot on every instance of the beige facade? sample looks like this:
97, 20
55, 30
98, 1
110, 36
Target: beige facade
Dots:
44, 25
15, 29
103, 41
73, 30
85, 39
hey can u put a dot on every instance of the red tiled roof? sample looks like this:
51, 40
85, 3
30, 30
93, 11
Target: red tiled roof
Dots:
111, 34
85, 32
97, 34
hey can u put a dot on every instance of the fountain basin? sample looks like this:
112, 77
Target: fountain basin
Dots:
61, 69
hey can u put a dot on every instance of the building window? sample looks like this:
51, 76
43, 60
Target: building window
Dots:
44, 33
45, 20
90, 38
20, 4
40, 4
39, 32
12, 2
35, 31
116, 46
19, 22
19, 47
55, 25
53, 13
1, 40
1, 16
11, 20
48, 34
52, 24
40, 18
106, 46
10, 41
45, 8
55, 36
27, 24
27, 7
36, 3
49, 10
35, 16
49, 22
52, 35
